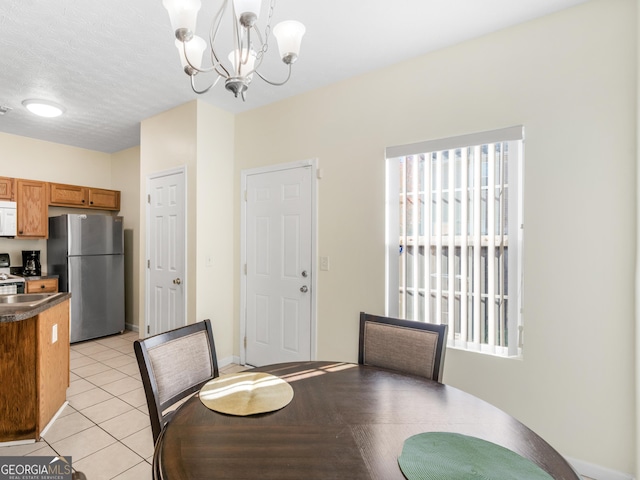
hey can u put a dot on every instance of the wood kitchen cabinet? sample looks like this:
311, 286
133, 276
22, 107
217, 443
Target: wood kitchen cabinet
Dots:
68, 195
45, 285
85, 197
6, 188
34, 354
104, 199
32, 200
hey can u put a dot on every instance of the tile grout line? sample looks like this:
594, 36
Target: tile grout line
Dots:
124, 347
113, 396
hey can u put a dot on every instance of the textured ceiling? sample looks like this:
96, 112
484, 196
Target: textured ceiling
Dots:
113, 63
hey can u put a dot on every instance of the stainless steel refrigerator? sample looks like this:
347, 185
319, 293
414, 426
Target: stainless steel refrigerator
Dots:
87, 253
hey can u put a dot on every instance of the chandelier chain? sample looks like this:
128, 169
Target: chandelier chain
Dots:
267, 32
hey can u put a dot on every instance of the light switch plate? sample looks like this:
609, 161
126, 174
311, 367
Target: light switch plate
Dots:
324, 263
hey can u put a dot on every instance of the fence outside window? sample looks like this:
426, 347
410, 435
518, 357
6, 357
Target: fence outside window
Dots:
454, 236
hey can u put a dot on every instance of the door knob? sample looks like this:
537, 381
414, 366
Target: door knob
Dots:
177, 281
304, 289
304, 273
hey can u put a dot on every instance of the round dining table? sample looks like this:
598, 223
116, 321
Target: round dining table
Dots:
345, 421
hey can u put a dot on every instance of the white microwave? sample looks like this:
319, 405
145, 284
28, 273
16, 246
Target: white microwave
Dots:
8, 219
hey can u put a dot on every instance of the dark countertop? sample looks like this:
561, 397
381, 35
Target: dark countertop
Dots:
14, 313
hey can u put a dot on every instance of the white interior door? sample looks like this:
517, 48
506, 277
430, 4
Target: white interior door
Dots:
279, 277
166, 253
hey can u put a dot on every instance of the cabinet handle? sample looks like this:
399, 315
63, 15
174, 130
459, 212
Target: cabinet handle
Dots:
90, 203
42, 286
83, 200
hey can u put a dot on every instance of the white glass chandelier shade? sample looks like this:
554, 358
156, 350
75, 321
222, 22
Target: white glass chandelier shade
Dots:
289, 36
246, 62
247, 11
194, 48
43, 108
183, 14
249, 39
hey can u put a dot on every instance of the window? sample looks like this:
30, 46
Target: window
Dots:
454, 236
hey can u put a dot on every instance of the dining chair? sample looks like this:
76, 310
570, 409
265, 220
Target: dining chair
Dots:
408, 346
173, 365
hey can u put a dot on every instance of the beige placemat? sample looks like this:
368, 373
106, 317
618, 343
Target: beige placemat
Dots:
246, 393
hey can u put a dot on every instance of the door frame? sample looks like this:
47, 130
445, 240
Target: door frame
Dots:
147, 294
244, 174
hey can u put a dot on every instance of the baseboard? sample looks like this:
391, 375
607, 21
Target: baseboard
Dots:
598, 472
55, 417
132, 327
223, 362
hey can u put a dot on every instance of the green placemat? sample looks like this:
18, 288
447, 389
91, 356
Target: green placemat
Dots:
442, 455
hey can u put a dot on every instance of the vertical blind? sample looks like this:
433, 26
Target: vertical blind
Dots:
454, 235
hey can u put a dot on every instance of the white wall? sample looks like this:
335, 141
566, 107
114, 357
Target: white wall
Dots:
569, 79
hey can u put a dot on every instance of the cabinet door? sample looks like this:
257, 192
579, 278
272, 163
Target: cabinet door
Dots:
104, 199
67, 195
47, 285
31, 197
6, 188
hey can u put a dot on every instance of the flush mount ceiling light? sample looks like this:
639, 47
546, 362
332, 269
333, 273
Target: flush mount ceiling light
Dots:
43, 108
250, 44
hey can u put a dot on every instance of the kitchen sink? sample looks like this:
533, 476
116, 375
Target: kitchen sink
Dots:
17, 300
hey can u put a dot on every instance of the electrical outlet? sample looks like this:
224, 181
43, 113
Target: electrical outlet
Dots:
324, 263
54, 333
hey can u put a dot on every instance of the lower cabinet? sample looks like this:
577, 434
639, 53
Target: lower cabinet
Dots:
34, 354
47, 285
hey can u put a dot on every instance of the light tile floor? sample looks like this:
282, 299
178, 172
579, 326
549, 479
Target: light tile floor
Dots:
105, 427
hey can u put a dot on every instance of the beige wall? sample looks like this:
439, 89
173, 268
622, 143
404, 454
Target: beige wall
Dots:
125, 174
24, 157
200, 138
570, 80
167, 142
214, 226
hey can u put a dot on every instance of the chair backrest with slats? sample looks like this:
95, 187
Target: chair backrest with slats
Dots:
408, 346
173, 365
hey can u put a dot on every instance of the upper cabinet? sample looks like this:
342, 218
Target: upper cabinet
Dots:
67, 195
105, 199
34, 197
32, 200
85, 197
7, 188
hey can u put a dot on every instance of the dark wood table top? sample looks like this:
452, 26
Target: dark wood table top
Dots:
345, 421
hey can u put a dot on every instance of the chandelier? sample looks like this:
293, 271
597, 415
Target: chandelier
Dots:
249, 44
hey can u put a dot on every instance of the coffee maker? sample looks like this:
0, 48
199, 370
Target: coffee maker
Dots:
31, 263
